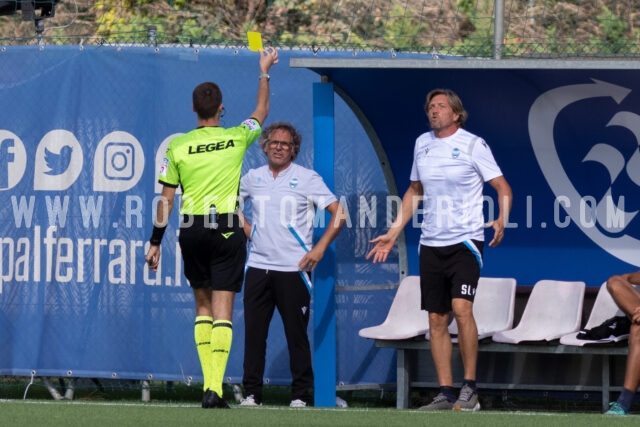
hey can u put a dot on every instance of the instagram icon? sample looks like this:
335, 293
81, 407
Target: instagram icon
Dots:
118, 162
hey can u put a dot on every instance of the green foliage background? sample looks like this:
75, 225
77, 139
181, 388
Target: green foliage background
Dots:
532, 28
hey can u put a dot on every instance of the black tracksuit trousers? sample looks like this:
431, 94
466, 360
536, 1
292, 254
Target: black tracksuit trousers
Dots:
265, 290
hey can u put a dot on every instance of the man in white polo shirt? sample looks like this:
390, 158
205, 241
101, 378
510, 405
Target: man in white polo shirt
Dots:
284, 196
450, 167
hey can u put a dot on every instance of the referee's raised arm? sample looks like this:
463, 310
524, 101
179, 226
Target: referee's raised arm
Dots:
268, 57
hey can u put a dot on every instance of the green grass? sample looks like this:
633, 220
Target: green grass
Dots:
17, 388
118, 403
79, 413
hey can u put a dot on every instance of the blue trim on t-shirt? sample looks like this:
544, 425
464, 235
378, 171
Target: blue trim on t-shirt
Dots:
297, 237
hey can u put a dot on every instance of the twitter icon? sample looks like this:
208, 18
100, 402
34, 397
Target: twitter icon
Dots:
58, 161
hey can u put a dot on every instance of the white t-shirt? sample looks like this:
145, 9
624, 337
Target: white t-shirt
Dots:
282, 214
452, 171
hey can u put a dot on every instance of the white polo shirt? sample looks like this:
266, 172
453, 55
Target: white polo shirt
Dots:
282, 214
452, 171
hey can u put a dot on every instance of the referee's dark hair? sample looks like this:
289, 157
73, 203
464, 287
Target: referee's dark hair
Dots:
207, 98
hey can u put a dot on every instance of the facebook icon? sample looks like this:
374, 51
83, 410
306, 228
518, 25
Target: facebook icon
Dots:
6, 157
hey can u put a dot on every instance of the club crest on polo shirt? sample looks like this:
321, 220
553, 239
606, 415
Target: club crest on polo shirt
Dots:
455, 153
293, 183
260, 182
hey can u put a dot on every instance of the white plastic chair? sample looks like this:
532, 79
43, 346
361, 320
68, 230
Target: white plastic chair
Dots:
553, 310
604, 308
493, 307
405, 319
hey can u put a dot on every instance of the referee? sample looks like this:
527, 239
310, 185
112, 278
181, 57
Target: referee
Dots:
206, 162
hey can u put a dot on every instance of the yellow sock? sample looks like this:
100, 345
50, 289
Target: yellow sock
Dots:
202, 334
221, 336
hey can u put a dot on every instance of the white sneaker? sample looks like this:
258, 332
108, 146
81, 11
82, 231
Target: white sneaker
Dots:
341, 403
249, 401
237, 393
298, 404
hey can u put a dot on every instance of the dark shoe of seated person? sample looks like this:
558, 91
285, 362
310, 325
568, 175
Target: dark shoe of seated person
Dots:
210, 400
610, 328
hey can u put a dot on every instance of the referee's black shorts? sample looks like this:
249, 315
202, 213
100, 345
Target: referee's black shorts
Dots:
213, 258
448, 272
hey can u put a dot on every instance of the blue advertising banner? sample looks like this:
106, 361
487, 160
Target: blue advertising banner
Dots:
569, 144
82, 135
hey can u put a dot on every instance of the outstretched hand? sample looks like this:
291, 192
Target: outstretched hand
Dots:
498, 232
383, 245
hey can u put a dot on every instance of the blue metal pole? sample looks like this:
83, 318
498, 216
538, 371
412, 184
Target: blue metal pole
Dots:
324, 314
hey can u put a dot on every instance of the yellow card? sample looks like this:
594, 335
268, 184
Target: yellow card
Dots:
255, 40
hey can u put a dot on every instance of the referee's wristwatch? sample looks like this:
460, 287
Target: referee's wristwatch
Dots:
264, 76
